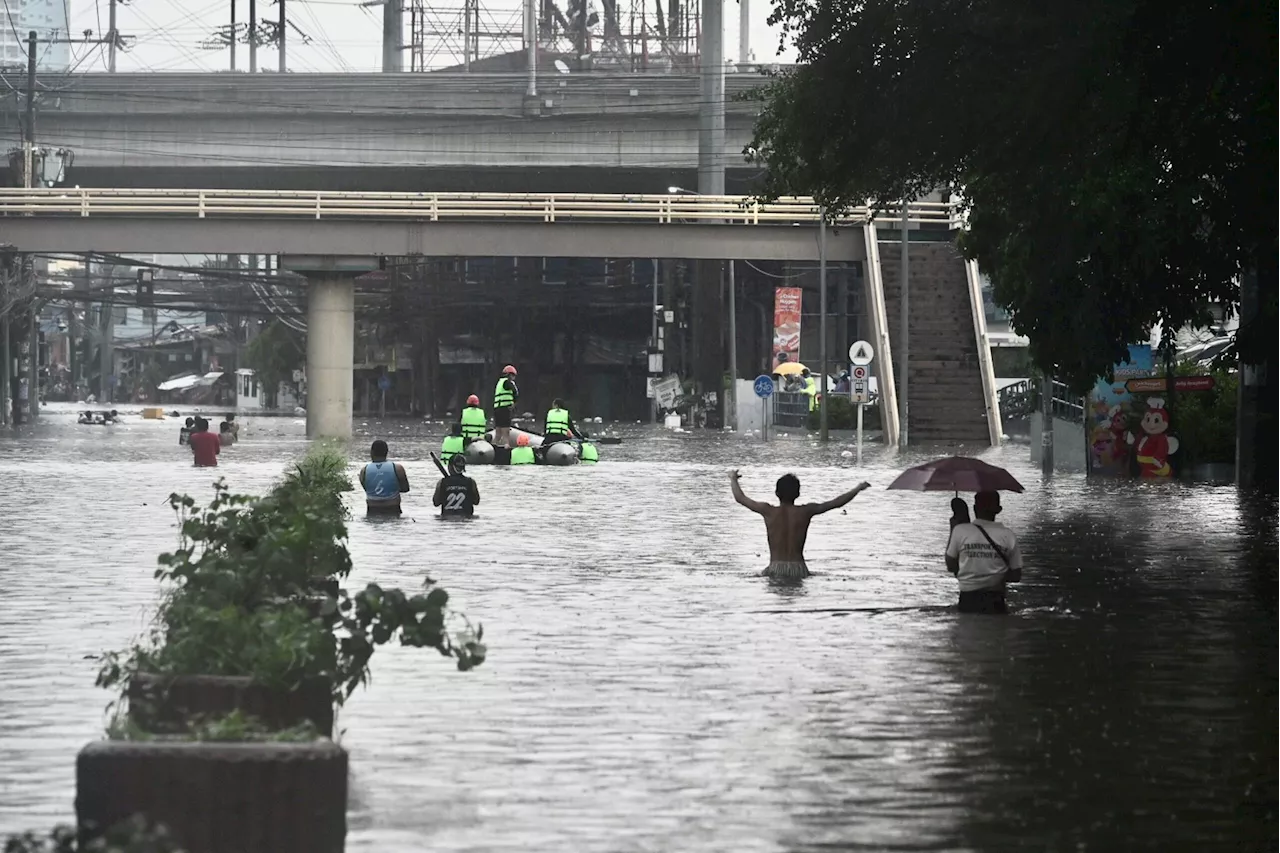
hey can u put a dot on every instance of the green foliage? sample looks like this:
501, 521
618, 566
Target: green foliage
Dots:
273, 355
134, 835
1205, 421
244, 596
843, 414
233, 726
1117, 158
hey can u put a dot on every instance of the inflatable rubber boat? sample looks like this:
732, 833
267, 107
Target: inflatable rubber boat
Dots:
483, 452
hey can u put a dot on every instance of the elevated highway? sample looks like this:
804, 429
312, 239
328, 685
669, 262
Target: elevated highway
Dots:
591, 132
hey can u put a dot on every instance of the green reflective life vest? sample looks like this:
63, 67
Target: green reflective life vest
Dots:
522, 456
502, 396
473, 422
557, 422
588, 452
451, 446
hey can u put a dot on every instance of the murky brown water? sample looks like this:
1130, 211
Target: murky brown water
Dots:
647, 691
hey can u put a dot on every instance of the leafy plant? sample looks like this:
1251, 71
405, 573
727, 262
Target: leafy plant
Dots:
233, 726
135, 835
274, 354
243, 599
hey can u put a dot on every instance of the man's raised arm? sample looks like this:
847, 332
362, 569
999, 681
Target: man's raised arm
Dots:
740, 497
836, 503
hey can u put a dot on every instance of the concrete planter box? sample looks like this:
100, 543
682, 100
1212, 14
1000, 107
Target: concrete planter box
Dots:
219, 797
164, 703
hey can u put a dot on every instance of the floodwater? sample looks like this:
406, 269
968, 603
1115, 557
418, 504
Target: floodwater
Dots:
647, 690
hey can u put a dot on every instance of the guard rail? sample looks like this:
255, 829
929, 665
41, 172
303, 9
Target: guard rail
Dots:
437, 207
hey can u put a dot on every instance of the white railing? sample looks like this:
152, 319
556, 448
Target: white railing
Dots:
442, 207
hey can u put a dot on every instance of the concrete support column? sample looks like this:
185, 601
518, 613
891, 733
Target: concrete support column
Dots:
331, 314
331, 333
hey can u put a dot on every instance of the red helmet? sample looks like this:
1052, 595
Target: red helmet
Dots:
509, 369
473, 400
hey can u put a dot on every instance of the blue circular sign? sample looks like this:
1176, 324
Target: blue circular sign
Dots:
764, 386
384, 382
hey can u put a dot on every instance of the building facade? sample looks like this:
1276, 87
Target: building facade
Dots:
49, 19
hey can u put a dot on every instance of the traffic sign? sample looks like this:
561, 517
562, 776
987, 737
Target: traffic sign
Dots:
1180, 383
858, 392
861, 353
859, 372
764, 387
384, 382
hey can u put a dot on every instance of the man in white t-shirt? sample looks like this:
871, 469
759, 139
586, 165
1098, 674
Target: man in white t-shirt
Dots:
984, 556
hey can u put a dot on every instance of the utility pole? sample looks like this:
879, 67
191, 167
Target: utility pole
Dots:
28, 180
253, 36
653, 341
531, 29
392, 33
113, 37
904, 340
284, 65
733, 348
711, 118
823, 432
233, 35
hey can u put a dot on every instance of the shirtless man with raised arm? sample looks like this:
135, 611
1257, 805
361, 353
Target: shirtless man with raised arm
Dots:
788, 524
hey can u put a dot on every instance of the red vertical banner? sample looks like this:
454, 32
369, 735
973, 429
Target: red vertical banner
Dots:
786, 324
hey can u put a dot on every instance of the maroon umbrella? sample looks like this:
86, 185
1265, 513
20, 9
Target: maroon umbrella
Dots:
956, 474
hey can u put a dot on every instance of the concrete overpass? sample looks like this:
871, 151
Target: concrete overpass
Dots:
330, 238
584, 132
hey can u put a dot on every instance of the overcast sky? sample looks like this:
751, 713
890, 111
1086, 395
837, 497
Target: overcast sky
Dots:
344, 36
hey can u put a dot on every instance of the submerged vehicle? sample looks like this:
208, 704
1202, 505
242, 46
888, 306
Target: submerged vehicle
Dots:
483, 452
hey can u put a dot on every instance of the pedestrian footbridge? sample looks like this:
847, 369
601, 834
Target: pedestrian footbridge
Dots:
330, 237
290, 222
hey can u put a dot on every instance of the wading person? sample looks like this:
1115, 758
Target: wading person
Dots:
383, 482
983, 555
456, 494
185, 432
205, 446
788, 523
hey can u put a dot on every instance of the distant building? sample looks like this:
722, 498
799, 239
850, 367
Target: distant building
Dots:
49, 19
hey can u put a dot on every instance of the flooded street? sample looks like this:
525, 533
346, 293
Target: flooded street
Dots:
647, 690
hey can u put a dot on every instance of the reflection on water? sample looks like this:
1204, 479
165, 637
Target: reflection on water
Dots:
646, 689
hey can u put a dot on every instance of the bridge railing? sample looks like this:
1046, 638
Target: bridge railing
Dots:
438, 207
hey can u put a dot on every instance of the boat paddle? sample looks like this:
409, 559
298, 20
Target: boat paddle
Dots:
439, 464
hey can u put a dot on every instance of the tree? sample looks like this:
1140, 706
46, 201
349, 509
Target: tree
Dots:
1117, 157
273, 355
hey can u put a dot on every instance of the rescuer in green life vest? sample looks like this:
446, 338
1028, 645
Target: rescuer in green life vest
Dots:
810, 389
472, 420
559, 426
505, 395
453, 444
522, 453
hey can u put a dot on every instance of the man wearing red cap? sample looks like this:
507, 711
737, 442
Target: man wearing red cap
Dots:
984, 556
472, 420
505, 396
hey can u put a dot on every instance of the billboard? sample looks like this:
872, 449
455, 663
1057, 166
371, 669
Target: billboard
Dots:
1114, 416
786, 324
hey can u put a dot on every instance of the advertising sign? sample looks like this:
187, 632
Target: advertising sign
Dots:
786, 324
1114, 415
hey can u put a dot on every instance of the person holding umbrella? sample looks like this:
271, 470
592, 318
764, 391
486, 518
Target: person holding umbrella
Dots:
983, 555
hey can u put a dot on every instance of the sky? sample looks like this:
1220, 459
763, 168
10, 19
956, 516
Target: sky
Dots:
170, 34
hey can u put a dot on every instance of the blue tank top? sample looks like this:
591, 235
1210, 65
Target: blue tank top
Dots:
380, 481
